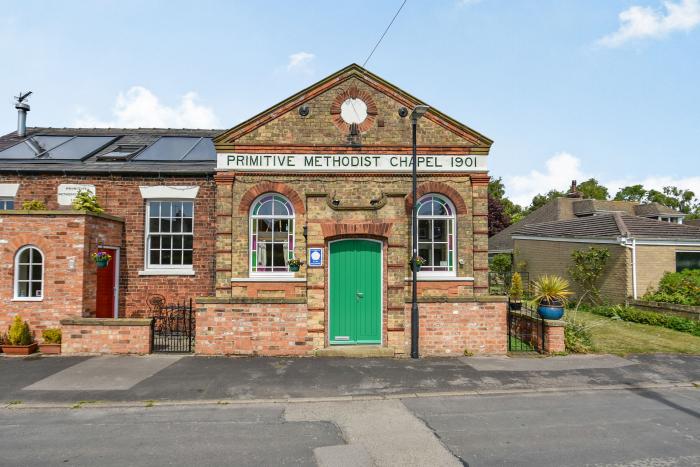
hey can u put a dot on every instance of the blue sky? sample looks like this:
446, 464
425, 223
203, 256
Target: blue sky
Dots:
566, 88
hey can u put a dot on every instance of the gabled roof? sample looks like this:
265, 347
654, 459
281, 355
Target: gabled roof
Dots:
352, 71
610, 226
128, 150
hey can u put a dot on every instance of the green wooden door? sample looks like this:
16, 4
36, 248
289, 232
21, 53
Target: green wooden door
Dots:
355, 292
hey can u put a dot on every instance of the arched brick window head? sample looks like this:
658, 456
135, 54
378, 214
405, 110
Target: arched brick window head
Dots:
439, 188
271, 187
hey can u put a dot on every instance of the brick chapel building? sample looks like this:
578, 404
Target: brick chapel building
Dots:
323, 177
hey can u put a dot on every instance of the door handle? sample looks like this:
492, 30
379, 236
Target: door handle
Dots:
359, 295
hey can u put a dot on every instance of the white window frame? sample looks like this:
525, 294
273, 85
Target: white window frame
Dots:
4, 199
16, 281
280, 274
165, 269
422, 274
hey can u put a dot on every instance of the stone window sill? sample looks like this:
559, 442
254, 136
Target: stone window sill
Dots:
441, 279
167, 272
269, 279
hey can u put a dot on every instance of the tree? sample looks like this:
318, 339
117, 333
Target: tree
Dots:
540, 200
631, 193
498, 190
498, 219
676, 198
591, 189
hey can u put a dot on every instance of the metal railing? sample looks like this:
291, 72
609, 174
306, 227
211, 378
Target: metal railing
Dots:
173, 328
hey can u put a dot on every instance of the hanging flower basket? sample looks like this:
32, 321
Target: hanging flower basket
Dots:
101, 259
294, 264
415, 264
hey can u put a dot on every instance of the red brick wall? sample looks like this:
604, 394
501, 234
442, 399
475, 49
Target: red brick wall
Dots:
253, 329
87, 338
452, 328
120, 196
62, 239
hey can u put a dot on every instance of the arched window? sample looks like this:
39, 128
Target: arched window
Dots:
29, 273
436, 233
271, 234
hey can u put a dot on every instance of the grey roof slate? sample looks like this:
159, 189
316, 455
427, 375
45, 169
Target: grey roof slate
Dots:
610, 226
123, 136
653, 209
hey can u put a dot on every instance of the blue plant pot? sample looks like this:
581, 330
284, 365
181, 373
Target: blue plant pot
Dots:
551, 311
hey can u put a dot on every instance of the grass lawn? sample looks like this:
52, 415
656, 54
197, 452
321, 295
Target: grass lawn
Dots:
620, 337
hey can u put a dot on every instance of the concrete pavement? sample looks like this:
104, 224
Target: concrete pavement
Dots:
67, 380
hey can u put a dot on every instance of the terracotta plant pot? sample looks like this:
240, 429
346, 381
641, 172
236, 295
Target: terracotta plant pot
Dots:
19, 349
50, 349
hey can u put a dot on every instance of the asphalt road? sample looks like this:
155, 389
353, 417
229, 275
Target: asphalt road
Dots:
600, 428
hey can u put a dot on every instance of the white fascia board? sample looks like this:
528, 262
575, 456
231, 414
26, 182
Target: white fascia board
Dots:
566, 240
8, 190
169, 192
669, 242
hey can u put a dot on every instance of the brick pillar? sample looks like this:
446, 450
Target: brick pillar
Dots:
480, 214
224, 214
554, 336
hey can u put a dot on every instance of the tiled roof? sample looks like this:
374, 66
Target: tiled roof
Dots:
589, 206
611, 226
653, 209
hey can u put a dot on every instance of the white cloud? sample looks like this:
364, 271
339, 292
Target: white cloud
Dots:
563, 167
301, 62
560, 170
644, 22
139, 107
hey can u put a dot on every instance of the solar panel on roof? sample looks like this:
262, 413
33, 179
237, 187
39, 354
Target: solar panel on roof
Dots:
79, 147
177, 148
33, 147
203, 151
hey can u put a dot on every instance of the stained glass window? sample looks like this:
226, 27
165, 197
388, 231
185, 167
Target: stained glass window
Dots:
271, 234
436, 233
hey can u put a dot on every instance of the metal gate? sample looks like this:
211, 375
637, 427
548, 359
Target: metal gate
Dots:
173, 328
525, 330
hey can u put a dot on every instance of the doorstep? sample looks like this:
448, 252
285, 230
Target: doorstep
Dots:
355, 351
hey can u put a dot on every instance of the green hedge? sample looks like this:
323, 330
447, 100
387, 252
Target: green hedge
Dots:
678, 287
635, 315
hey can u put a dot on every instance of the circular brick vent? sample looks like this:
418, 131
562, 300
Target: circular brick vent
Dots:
353, 106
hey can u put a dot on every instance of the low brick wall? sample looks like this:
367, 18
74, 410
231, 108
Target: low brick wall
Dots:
106, 336
451, 328
553, 332
684, 311
253, 327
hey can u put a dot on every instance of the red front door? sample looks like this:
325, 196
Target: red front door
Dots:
107, 286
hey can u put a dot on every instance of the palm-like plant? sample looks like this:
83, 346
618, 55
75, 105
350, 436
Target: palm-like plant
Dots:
551, 290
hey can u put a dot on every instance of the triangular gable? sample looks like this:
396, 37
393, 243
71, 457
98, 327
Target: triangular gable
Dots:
282, 124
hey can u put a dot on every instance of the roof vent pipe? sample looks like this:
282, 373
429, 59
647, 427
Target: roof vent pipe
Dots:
22, 109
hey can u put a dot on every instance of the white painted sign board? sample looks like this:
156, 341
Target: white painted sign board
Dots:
67, 192
390, 163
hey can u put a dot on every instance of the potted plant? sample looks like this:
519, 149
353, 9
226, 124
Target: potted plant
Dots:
515, 294
551, 294
101, 259
294, 264
19, 340
416, 263
51, 344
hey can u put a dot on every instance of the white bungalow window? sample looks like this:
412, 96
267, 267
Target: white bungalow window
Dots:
271, 234
436, 237
29, 273
7, 203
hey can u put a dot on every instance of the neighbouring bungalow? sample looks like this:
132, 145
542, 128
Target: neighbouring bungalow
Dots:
219, 217
641, 250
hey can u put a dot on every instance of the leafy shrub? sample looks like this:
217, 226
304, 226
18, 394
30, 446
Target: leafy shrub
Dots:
635, 315
86, 201
516, 287
34, 205
51, 336
577, 338
678, 287
587, 269
19, 332
501, 264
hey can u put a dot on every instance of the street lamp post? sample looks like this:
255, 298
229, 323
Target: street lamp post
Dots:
417, 113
